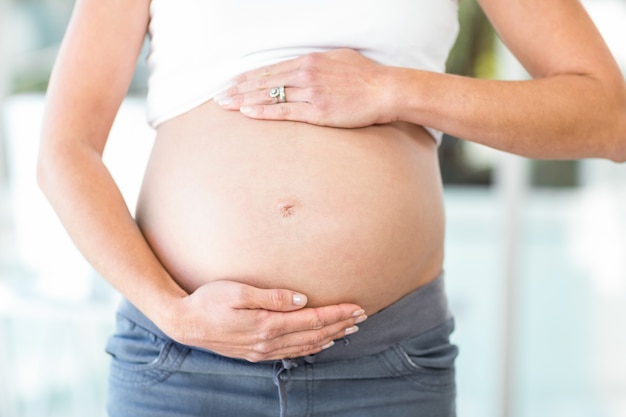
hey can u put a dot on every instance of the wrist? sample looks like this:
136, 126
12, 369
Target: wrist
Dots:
393, 98
163, 306
391, 94
410, 95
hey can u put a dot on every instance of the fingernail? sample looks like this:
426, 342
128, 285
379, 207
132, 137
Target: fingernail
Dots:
329, 344
352, 329
358, 313
246, 110
299, 299
360, 319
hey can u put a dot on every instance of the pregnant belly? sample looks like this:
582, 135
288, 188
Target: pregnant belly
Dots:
341, 215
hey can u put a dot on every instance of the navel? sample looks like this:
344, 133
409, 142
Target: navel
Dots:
287, 208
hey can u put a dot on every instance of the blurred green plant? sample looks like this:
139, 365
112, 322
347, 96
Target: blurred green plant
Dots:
474, 53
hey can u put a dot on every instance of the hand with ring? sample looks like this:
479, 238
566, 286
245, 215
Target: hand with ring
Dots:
339, 88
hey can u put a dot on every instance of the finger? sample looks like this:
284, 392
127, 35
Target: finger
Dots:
249, 83
262, 97
292, 111
270, 299
303, 343
311, 319
253, 98
316, 339
260, 354
268, 71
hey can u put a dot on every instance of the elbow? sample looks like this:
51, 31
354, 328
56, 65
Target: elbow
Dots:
619, 149
619, 155
618, 158
616, 149
47, 167
43, 173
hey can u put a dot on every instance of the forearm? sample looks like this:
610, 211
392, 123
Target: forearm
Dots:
560, 117
227, 317
92, 209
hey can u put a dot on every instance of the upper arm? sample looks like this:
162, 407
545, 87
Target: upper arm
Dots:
551, 37
93, 70
557, 37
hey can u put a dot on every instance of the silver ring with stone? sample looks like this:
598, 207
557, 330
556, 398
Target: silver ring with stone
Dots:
279, 94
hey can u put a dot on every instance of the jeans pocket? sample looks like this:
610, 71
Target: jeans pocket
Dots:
140, 357
426, 360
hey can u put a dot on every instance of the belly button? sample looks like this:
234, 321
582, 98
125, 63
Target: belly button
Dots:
287, 209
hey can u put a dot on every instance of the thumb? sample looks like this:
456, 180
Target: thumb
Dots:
272, 299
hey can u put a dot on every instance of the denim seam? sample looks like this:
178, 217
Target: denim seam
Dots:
398, 363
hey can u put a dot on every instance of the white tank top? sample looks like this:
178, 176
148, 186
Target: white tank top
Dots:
198, 46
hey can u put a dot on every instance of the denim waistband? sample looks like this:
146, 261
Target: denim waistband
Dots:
415, 313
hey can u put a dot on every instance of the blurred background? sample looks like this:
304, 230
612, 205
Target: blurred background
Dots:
536, 250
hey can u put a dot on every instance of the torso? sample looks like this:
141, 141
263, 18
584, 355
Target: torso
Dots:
343, 215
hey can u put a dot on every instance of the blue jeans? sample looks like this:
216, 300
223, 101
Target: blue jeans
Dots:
152, 375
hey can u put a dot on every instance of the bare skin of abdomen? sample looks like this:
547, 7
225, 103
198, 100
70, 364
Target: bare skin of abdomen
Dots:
341, 215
